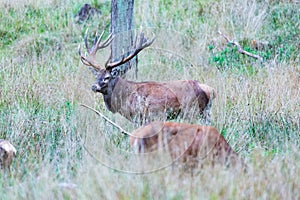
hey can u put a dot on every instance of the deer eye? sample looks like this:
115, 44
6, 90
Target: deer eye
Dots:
106, 78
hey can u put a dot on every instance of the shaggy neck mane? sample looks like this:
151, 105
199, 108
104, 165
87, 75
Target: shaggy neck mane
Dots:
116, 90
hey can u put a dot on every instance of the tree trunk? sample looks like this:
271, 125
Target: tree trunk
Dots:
122, 26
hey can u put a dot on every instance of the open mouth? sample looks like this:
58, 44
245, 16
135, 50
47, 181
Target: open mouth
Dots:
97, 88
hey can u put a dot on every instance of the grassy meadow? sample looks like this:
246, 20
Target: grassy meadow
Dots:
65, 151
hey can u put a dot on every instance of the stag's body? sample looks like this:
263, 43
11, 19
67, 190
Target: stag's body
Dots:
143, 102
192, 144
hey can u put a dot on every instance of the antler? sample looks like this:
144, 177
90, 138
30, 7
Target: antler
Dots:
93, 50
143, 43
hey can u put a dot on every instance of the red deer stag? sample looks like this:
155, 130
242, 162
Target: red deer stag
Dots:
191, 144
141, 102
7, 153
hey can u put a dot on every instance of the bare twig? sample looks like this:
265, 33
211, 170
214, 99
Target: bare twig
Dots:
106, 119
240, 49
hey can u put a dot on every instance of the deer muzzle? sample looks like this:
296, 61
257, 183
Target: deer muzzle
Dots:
100, 88
96, 88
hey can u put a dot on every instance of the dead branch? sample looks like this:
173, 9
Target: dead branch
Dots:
240, 49
106, 119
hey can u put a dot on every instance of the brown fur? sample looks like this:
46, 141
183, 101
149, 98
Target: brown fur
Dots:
143, 102
7, 153
191, 144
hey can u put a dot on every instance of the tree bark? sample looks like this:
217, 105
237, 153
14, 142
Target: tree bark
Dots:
122, 26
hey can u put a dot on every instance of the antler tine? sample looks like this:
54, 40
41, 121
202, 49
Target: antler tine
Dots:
107, 41
82, 58
108, 60
85, 61
143, 43
147, 44
93, 50
86, 40
98, 40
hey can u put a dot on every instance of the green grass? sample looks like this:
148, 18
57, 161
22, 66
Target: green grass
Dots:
43, 83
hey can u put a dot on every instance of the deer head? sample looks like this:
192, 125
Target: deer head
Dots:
105, 75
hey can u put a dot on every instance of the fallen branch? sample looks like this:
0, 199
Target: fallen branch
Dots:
240, 49
106, 119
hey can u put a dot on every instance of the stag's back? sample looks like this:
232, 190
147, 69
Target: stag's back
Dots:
193, 97
185, 142
144, 101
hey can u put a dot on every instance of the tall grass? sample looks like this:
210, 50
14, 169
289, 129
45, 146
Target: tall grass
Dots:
43, 84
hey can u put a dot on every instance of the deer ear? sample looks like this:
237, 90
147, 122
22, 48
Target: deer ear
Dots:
94, 71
